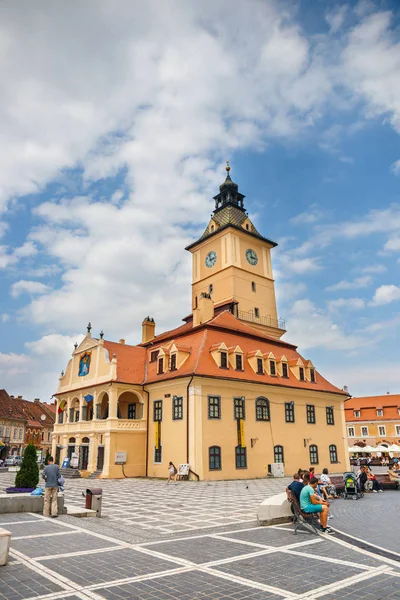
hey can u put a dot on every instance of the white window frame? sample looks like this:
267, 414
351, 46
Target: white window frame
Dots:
362, 433
379, 412
357, 413
397, 430
353, 430
379, 430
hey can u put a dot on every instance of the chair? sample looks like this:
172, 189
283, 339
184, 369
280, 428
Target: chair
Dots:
307, 521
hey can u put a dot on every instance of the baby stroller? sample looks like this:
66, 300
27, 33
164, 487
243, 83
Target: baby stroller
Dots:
351, 487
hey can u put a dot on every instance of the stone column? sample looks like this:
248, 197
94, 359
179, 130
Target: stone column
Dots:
107, 454
112, 402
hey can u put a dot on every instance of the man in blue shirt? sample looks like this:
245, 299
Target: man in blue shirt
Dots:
50, 474
309, 503
296, 486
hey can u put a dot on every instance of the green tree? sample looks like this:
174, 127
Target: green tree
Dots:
46, 460
28, 475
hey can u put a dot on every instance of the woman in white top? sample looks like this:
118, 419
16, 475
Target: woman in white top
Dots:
325, 479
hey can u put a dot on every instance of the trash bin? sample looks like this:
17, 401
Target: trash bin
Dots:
93, 500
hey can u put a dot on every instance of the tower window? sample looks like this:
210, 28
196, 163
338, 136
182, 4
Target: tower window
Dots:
239, 362
224, 360
253, 286
257, 313
260, 366
210, 288
301, 374
285, 372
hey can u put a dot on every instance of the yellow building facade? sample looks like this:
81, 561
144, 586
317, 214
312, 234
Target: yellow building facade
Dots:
222, 392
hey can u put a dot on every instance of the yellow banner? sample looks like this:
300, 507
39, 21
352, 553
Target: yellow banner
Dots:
241, 434
157, 434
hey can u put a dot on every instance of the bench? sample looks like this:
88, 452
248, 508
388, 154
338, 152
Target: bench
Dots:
386, 482
307, 521
338, 482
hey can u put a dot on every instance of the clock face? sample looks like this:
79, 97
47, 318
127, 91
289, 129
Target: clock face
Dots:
211, 259
251, 256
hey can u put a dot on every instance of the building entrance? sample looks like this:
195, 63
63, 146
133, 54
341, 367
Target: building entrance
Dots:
100, 458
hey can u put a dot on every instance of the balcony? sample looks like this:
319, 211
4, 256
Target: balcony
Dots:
103, 425
267, 321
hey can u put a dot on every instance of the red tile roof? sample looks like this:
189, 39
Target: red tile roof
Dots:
10, 408
131, 361
24, 410
367, 405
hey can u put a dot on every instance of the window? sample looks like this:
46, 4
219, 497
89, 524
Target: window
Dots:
239, 362
132, 411
60, 417
382, 430
330, 417
333, 453
214, 407
224, 360
240, 457
253, 286
310, 413
239, 408
160, 366
154, 355
177, 408
1, 430
262, 409
15, 433
173, 362
21, 432
278, 454
312, 375
8, 431
285, 372
214, 458
71, 415
313, 454
397, 429
42, 436
289, 412
48, 436
210, 288
260, 366
85, 413
157, 413
158, 455
357, 413
351, 432
379, 412
257, 313
272, 367
247, 226
364, 431
301, 373
76, 416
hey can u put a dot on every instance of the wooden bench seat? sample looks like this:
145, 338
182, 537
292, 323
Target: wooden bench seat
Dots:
307, 521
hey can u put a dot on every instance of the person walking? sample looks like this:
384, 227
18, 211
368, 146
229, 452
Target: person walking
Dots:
51, 474
172, 472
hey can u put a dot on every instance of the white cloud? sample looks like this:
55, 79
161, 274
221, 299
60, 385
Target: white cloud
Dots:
374, 269
33, 288
358, 283
385, 294
4, 317
367, 378
346, 304
335, 17
11, 256
393, 244
395, 167
55, 345
312, 215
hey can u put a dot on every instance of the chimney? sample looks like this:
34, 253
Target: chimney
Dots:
204, 311
19, 397
37, 400
122, 341
148, 330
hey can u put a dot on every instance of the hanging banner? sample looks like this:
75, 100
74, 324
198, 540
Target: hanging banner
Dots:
241, 433
62, 405
88, 397
157, 434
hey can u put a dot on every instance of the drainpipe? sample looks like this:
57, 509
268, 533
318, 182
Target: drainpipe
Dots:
187, 419
147, 426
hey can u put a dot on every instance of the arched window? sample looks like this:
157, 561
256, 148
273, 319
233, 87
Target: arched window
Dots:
262, 409
333, 453
214, 458
85, 440
240, 457
278, 454
313, 454
71, 440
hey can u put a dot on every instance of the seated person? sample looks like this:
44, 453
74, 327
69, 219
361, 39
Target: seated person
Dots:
309, 503
373, 483
394, 474
362, 479
296, 486
330, 488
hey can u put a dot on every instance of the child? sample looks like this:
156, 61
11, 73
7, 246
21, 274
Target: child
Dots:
172, 472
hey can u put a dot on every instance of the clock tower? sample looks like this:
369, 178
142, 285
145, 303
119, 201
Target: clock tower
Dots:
232, 263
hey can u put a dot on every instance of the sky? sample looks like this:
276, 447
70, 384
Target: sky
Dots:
115, 123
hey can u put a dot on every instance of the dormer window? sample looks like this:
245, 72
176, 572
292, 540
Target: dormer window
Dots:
312, 375
160, 369
260, 366
357, 414
173, 362
253, 286
285, 371
379, 412
224, 360
212, 227
301, 374
154, 355
247, 226
272, 367
239, 362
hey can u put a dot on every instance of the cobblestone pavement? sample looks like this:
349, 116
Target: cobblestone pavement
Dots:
213, 550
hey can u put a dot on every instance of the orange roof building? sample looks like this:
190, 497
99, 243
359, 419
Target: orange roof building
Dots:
373, 420
222, 392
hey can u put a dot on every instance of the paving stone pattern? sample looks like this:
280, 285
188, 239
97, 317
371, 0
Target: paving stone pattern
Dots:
189, 542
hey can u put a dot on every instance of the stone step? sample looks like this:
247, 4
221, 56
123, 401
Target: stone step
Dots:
70, 473
94, 475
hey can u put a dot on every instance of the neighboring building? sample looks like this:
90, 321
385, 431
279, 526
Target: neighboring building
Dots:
23, 422
221, 392
373, 420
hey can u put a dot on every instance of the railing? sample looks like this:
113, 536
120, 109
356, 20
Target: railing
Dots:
268, 321
97, 424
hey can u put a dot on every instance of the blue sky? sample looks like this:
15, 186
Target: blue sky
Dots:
115, 126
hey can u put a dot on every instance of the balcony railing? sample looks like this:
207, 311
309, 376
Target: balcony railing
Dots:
268, 321
103, 425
